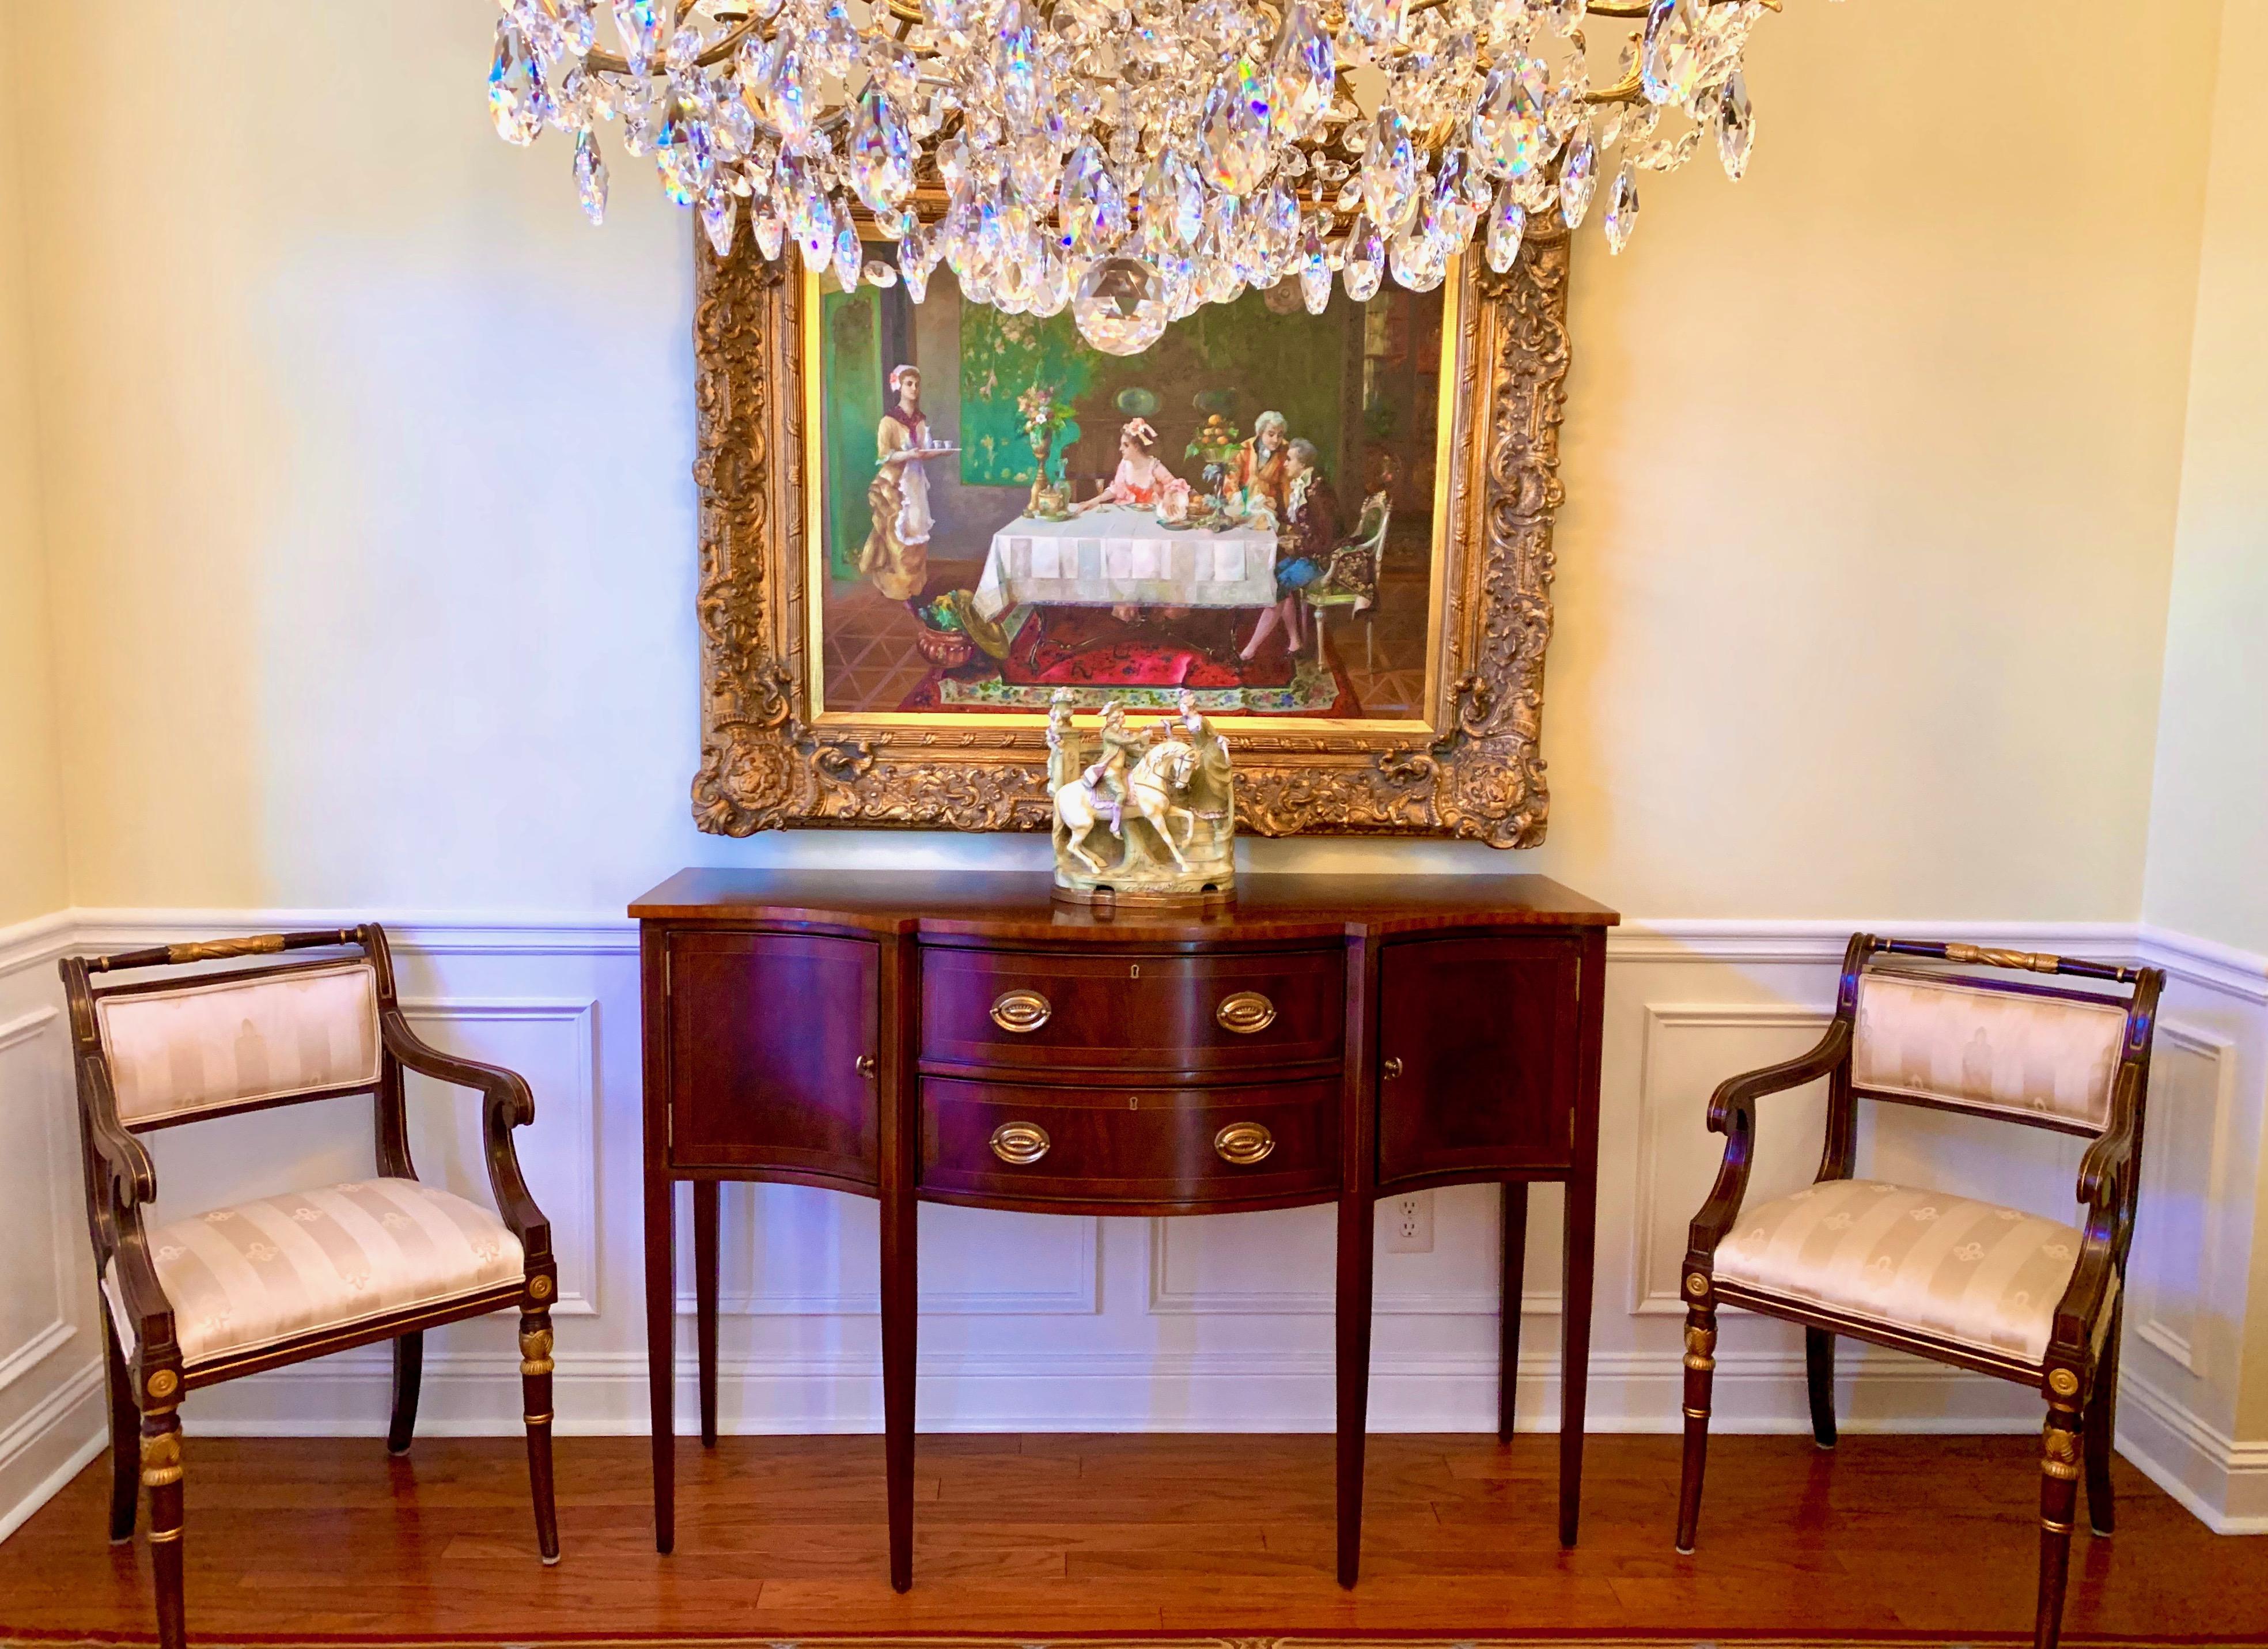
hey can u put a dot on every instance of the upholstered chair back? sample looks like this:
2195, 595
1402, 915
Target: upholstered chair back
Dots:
2031, 1053
227, 1041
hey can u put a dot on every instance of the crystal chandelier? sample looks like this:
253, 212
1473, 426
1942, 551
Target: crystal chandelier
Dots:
1134, 159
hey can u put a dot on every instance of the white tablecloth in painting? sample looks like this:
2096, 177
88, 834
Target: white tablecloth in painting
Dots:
1113, 556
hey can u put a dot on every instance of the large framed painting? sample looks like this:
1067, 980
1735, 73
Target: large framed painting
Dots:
923, 521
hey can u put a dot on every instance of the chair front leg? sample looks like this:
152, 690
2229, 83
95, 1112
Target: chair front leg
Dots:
2059, 1469
2103, 1430
408, 1374
161, 1476
536, 1387
1819, 1378
1700, 1374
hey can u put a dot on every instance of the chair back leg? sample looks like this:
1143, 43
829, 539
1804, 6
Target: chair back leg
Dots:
409, 1372
2103, 1430
1700, 1374
536, 1387
2059, 1468
161, 1476
1819, 1376
125, 1436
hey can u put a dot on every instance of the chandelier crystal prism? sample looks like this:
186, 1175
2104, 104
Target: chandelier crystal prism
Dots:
1133, 161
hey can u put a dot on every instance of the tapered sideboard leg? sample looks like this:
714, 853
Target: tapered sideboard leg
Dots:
899, 1293
1355, 1214
705, 1298
660, 1347
1575, 1348
1516, 1283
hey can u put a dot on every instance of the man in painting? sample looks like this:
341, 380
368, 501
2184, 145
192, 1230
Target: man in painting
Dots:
896, 555
1309, 533
1256, 472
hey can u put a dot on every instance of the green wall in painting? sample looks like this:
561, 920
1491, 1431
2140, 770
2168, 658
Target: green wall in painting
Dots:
851, 371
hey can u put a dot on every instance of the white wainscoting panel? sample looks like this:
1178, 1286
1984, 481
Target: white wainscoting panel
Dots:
1046, 1323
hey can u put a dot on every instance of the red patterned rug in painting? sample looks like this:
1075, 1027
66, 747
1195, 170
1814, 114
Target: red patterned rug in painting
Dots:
1144, 663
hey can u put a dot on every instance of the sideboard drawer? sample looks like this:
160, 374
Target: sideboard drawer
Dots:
771, 1042
1058, 1010
1096, 1144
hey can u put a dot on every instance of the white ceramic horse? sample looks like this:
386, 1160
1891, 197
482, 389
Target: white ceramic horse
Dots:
1162, 773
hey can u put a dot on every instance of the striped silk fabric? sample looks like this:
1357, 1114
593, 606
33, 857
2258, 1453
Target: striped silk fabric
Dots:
1970, 1272
202, 1047
2000, 1052
261, 1272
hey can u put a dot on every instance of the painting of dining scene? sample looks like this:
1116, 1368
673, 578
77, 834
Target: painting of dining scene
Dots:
1243, 512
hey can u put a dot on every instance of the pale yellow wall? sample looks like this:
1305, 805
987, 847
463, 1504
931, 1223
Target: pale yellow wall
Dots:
373, 535
31, 864
2208, 858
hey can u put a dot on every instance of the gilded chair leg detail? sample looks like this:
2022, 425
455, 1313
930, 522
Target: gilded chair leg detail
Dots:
2059, 1469
161, 1476
535, 1385
409, 1374
125, 1435
1700, 1373
1819, 1376
2103, 1432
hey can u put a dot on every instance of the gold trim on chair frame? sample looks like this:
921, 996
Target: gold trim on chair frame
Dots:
1471, 767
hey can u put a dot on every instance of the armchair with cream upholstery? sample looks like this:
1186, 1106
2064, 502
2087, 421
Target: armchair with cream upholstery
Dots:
237, 1290
1963, 1282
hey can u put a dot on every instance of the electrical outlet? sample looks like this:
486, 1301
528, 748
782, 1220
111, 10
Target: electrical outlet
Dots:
1410, 1224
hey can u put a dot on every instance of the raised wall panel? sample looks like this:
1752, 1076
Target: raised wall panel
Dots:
40, 1210
796, 1251
1686, 1049
551, 1043
2177, 1230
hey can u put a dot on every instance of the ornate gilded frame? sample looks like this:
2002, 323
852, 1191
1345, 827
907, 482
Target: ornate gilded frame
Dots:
1472, 768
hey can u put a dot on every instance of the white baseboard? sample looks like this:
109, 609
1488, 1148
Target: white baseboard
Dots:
51, 1445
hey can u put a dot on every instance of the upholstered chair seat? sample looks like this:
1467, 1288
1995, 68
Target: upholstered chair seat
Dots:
309, 1263
1902, 1258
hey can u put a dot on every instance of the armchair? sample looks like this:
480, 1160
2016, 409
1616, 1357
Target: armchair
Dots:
1947, 1277
237, 1290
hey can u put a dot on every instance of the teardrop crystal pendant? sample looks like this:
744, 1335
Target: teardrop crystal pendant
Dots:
1670, 58
513, 79
1121, 306
1365, 261
1377, 22
880, 153
1233, 131
639, 23
1016, 59
1510, 126
1622, 207
1507, 224
1390, 173
1315, 273
1736, 126
1307, 74
720, 216
1173, 207
1578, 177
772, 234
590, 176
1093, 210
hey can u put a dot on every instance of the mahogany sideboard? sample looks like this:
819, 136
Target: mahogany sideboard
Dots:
964, 1038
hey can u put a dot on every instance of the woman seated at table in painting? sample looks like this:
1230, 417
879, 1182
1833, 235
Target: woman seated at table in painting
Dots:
1308, 533
1143, 480
1255, 474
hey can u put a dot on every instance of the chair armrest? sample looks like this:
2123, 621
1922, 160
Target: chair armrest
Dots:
132, 1175
510, 1105
2106, 1186
1732, 1113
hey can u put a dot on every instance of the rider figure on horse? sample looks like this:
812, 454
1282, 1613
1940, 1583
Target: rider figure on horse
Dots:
1122, 749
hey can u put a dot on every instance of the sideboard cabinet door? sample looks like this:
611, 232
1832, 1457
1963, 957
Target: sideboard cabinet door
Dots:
1478, 1049
767, 1034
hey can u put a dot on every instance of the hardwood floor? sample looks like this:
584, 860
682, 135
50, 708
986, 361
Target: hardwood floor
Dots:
785, 1536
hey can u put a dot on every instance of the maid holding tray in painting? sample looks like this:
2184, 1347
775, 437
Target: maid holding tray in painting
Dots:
897, 552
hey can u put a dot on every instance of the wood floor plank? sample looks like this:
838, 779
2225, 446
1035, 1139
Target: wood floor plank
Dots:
783, 1536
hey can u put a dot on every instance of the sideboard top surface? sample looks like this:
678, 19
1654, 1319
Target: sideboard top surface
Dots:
1010, 905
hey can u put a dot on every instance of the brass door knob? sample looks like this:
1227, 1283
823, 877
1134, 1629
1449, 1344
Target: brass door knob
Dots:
1393, 1069
1021, 1010
1243, 1143
1245, 1012
866, 1065
1021, 1142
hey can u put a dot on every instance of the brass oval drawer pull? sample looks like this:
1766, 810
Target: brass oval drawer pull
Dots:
1245, 1012
1243, 1143
1020, 1142
1021, 1010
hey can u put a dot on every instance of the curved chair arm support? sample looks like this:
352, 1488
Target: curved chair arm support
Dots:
510, 1105
133, 1176
1732, 1113
2106, 1186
